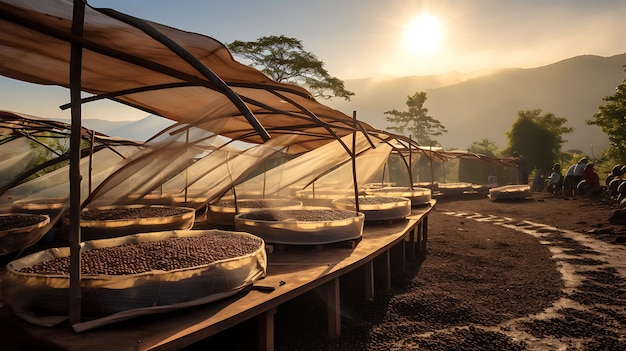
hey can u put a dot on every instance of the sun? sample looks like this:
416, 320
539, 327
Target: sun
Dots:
423, 34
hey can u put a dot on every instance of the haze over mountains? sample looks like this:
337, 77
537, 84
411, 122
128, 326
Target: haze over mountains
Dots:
471, 106
485, 104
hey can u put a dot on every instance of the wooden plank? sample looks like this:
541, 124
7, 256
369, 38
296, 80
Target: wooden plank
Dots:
290, 272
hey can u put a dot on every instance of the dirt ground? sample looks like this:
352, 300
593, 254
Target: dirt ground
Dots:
546, 273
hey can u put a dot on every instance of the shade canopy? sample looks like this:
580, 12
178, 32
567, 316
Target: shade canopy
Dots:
186, 77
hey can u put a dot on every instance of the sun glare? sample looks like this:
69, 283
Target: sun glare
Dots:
423, 34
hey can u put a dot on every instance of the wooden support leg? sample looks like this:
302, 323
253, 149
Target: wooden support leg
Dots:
266, 330
334, 308
369, 280
398, 256
425, 231
411, 243
383, 270
420, 238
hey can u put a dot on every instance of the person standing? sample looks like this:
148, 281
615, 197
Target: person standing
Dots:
521, 174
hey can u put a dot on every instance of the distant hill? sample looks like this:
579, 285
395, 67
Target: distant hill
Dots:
142, 129
99, 125
485, 104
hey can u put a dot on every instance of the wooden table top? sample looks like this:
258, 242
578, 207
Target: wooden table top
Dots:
290, 272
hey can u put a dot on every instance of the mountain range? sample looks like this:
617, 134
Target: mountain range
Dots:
472, 106
483, 105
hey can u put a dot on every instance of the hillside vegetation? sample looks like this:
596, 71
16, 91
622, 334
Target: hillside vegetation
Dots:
485, 104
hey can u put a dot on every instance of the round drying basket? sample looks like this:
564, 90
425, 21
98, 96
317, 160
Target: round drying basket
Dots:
223, 212
456, 188
379, 185
377, 208
48, 206
21, 230
139, 271
322, 197
418, 196
430, 185
114, 221
510, 192
304, 226
198, 202
151, 199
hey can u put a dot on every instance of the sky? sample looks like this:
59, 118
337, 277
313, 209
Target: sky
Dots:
372, 38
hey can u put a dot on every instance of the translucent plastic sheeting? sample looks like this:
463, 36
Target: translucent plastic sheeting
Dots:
301, 171
13, 166
37, 146
368, 165
185, 162
49, 194
210, 176
20, 154
42, 299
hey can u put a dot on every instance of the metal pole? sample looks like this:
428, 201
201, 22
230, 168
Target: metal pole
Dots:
76, 57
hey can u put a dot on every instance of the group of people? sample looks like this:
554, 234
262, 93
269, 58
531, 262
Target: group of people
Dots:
572, 183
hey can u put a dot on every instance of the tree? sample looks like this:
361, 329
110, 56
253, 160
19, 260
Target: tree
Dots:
611, 118
284, 60
486, 147
416, 121
539, 138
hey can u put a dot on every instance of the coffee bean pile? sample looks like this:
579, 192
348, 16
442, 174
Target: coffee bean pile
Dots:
130, 213
374, 200
14, 221
253, 203
165, 255
303, 215
472, 338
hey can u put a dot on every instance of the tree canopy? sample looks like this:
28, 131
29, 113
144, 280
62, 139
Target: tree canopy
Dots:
284, 60
611, 118
538, 137
416, 121
485, 146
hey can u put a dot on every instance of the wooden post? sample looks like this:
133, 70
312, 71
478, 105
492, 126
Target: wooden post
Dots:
76, 58
266, 330
334, 308
369, 279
